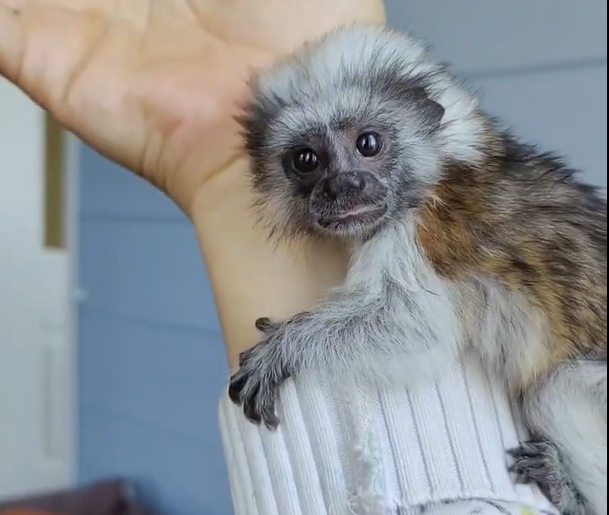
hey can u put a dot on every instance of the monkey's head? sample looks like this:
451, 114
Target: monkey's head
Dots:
352, 131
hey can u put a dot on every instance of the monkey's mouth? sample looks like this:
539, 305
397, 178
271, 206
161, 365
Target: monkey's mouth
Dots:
359, 217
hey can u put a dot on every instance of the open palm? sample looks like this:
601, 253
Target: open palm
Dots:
152, 84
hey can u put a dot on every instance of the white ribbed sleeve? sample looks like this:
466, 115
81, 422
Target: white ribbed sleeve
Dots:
378, 454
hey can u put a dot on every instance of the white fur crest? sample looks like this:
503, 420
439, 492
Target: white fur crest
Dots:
315, 75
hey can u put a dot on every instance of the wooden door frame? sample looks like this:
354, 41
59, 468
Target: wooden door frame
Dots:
72, 221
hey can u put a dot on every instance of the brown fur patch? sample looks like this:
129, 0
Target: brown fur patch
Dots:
525, 223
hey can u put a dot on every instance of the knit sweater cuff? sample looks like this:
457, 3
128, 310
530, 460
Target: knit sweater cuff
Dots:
381, 453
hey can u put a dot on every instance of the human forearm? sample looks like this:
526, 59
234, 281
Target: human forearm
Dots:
154, 87
250, 277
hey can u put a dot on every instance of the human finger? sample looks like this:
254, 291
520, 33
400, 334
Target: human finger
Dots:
11, 38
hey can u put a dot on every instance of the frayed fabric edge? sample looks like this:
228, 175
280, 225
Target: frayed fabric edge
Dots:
370, 492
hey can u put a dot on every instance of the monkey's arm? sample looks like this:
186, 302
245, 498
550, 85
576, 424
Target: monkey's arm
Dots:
376, 330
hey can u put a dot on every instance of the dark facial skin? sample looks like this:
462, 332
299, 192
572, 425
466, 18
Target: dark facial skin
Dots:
342, 176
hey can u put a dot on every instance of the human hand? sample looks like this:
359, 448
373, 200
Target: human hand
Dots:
153, 84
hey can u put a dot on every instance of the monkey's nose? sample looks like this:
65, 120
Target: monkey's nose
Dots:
331, 187
344, 182
355, 181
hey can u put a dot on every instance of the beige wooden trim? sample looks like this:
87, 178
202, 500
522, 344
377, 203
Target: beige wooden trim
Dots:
54, 190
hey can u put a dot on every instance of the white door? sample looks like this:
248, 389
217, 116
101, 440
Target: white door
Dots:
36, 361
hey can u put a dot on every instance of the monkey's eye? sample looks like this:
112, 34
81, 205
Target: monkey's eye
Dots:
305, 160
369, 144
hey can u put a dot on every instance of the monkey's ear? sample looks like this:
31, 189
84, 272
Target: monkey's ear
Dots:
433, 113
431, 110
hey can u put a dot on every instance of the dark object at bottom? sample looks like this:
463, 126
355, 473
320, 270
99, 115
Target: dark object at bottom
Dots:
112, 497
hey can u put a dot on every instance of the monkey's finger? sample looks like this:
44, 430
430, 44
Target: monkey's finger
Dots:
250, 408
235, 388
527, 450
515, 452
528, 468
519, 452
525, 474
527, 464
271, 420
521, 478
267, 402
264, 324
244, 356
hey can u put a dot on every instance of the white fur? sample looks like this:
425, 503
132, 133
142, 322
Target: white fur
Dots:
395, 322
391, 322
509, 334
321, 65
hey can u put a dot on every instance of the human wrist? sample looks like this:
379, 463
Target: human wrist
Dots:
250, 276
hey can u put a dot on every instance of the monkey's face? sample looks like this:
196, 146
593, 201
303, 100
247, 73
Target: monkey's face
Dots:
347, 136
340, 179
342, 171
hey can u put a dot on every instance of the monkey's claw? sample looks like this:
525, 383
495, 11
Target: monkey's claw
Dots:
540, 462
258, 399
256, 385
534, 461
266, 325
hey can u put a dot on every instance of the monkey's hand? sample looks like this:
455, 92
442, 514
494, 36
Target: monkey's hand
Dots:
262, 372
375, 330
383, 338
540, 462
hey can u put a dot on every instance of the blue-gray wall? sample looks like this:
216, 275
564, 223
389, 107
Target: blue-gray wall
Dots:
152, 363
151, 354
539, 64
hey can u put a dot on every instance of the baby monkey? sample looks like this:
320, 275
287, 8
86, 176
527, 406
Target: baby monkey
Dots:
464, 239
